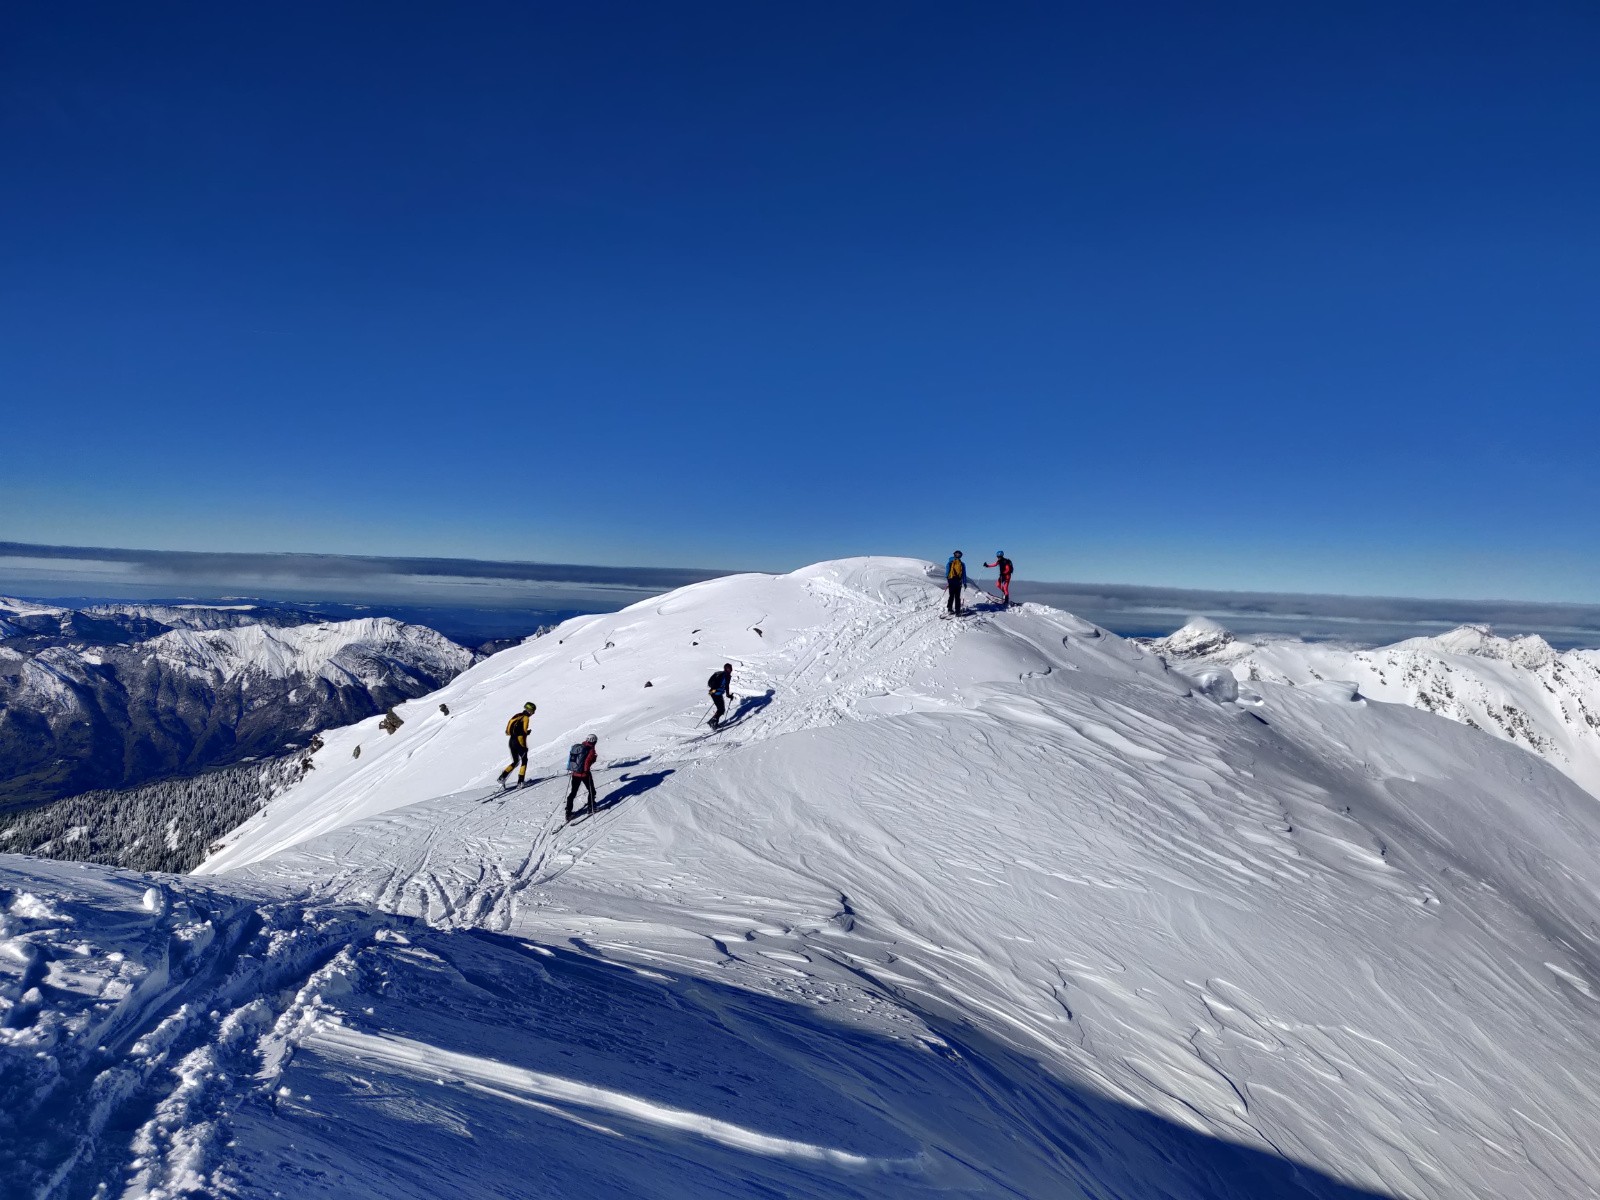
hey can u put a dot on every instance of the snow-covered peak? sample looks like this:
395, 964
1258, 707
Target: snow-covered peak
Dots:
333, 650
1518, 688
1198, 637
848, 639
10, 605
200, 616
356, 652
18, 618
1525, 650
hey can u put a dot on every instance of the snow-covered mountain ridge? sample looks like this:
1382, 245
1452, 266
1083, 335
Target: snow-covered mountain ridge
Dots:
360, 652
203, 616
116, 695
342, 653
1520, 688
1000, 906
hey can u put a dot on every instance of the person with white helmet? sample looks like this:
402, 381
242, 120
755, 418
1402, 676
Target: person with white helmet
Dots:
580, 765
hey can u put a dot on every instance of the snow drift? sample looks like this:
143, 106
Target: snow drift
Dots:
995, 906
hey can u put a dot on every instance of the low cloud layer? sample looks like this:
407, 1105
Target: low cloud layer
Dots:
1368, 620
69, 571
54, 572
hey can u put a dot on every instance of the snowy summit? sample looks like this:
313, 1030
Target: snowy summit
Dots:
1001, 905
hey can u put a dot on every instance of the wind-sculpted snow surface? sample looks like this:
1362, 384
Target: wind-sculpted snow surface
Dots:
1519, 689
1000, 906
187, 1041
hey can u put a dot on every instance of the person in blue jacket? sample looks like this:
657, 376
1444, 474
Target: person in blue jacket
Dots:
955, 578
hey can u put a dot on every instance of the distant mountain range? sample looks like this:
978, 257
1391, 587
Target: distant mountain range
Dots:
1519, 689
116, 695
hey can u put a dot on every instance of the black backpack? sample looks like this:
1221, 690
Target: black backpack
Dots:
576, 758
717, 682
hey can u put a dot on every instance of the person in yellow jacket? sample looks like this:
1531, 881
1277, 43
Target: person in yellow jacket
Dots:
955, 578
517, 731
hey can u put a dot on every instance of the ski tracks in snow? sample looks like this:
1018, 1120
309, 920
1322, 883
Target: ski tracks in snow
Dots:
124, 1085
468, 860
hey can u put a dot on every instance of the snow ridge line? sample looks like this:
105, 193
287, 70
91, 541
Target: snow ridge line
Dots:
872, 649
869, 651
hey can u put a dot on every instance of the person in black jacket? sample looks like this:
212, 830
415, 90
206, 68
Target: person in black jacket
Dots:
517, 731
720, 685
1004, 563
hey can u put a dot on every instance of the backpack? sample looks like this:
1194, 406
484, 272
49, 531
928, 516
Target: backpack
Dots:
576, 757
717, 682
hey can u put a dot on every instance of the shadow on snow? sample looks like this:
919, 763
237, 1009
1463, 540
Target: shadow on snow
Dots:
748, 707
478, 1063
632, 785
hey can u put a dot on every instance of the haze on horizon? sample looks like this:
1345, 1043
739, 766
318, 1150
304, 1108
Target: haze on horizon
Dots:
1259, 298
474, 599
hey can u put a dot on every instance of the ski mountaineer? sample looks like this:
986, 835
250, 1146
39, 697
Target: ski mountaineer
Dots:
720, 686
955, 578
580, 765
517, 731
1004, 563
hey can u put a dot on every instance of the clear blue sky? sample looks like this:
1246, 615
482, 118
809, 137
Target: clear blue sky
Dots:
1274, 296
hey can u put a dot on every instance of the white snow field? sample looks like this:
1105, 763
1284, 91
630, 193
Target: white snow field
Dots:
991, 907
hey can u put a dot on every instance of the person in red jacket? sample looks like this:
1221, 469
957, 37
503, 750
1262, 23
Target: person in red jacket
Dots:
580, 765
1004, 563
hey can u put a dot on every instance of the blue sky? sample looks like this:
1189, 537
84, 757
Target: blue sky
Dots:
1252, 296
